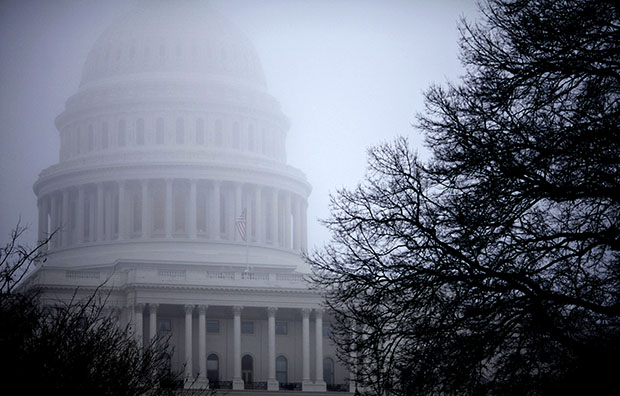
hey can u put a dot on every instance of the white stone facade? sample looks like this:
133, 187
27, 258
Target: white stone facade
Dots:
171, 136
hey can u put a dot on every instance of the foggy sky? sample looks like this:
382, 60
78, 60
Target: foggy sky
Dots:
348, 74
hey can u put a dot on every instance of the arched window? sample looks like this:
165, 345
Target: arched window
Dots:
200, 131
328, 371
104, 135
235, 136
140, 132
165, 363
251, 138
78, 140
91, 138
122, 139
282, 370
159, 131
180, 131
218, 133
213, 368
247, 369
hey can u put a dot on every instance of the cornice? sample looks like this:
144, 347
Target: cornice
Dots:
150, 165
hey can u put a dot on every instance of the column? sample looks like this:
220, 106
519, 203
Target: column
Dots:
92, 211
43, 221
79, 229
189, 372
100, 213
202, 346
215, 210
319, 382
305, 346
249, 206
139, 324
109, 214
272, 383
144, 227
122, 217
297, 224
353, 370
153, 321
258, 215
287, 220
66, 228
192, 209
54, 220
274, 217
237, 381
237, 212
304, 225
168, 214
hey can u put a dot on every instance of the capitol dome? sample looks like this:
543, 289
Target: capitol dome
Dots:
171, 137
172, 195
167, 38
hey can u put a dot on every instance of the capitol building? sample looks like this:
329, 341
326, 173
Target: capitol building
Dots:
172, 192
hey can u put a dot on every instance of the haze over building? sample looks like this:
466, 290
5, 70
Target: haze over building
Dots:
173, 188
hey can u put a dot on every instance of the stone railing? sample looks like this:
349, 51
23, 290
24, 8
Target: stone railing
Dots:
169, 276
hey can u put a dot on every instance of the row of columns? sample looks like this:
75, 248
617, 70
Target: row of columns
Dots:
272, 383
151, 208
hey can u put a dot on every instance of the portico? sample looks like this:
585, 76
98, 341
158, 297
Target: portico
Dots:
256, 338
173, 194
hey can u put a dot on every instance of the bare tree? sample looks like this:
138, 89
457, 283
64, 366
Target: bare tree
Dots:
493, 268
71, 348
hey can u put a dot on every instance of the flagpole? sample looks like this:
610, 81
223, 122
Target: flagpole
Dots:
241, 224
247, 254
247, 263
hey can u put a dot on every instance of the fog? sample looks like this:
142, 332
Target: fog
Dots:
348, 75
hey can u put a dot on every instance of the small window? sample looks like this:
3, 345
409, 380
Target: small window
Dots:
281, 328
180, 131
213, 326
159, 131
91, 138
165, 363
235, 136
251, 138
327, 329
140, 132
282, 370
122, 139
218, 133
200, 132
165, 325
78, 140
104, 135
247, 327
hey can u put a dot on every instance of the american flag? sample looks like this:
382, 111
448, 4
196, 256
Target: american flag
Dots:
241, 224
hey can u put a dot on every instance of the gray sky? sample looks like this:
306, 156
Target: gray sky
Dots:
348, 74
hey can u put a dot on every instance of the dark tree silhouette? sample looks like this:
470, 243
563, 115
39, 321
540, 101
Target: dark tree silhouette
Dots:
493, 267
71, 348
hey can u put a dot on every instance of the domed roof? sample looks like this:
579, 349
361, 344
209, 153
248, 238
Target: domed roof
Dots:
179, 38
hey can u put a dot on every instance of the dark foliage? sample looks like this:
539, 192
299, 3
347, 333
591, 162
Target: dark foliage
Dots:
70, 348
493, 268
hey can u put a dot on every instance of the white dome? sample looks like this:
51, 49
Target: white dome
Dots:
171, 136
170, 37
